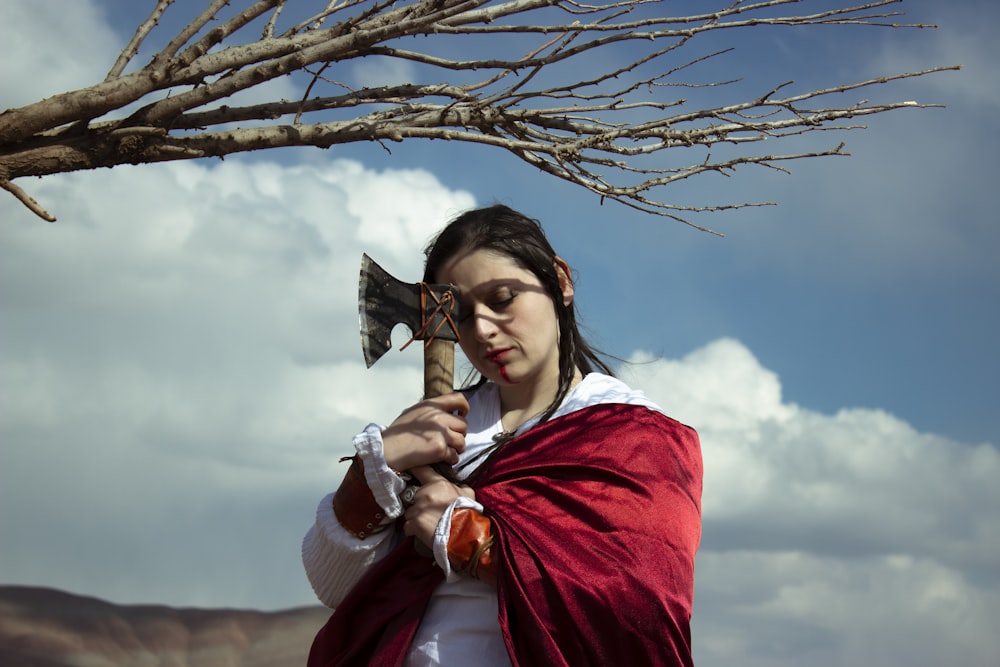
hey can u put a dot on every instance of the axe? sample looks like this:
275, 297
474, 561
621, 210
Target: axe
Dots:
430, 312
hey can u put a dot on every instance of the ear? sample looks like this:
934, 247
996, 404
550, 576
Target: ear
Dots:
565, 280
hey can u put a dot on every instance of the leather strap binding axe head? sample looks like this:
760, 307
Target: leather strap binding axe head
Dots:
430, 312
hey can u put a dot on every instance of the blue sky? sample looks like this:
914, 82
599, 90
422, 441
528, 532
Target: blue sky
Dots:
180, 368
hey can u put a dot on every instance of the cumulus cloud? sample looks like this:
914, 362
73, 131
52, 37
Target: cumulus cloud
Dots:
181, 372
184, 343
68, 46
39, 71
831, 539
374, 71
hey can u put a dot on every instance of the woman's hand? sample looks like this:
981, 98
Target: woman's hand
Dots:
431, 431
434, 496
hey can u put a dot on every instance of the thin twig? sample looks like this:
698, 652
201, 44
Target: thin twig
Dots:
27, 200
604, 133
141, 32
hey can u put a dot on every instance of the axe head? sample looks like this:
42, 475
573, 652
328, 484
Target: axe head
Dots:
430, 311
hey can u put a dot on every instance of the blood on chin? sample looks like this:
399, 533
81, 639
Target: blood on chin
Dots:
497, 373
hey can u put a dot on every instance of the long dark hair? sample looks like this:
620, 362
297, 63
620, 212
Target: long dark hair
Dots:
504, 230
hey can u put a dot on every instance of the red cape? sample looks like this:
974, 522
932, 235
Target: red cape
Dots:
597, 520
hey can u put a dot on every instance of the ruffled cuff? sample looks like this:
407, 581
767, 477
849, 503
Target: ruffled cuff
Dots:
384, 483
442, 534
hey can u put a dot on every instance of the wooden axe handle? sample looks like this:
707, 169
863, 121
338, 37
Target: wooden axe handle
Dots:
439, 368
439, 379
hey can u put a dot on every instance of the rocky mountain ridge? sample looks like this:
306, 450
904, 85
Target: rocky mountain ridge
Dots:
43, 627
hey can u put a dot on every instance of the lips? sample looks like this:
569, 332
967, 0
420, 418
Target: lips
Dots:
497, 356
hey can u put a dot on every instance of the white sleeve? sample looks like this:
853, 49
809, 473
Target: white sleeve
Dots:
385, 484
442, 533
334, 559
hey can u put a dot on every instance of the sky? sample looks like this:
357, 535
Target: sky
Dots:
180, 368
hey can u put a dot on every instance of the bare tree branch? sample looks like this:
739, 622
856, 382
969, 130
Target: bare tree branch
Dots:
132, 48
27, 200
528, 76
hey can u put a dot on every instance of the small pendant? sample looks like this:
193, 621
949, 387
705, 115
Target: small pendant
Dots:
503, 437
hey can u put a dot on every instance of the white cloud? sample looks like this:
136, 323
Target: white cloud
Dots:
831, 539
398, 230
51, 46
31, 69
181, 368
763, 609
373, 71
180, 371
698, 387
186, 335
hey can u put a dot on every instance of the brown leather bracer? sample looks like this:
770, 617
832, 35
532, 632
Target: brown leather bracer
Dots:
470, 545
355, 505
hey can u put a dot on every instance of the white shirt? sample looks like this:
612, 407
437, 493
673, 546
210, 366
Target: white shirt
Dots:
460, 625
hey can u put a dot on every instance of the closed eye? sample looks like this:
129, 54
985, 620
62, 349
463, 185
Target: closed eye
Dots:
498, 303
501, 299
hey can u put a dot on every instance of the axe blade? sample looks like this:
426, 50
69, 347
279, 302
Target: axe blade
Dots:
384, 302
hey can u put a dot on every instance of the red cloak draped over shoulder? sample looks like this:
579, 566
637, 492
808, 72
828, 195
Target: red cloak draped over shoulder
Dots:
597, 518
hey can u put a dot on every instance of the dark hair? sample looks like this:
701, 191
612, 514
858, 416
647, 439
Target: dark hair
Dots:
504, 230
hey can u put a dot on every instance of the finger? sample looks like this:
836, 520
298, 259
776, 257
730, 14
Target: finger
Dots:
455, 403
457, 424
426, 475
455, 431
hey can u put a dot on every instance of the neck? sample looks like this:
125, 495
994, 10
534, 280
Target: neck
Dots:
523, 402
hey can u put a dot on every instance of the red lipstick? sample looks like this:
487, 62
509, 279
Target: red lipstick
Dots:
496, 357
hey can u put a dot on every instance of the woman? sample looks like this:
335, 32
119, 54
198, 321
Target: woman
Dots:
570, 539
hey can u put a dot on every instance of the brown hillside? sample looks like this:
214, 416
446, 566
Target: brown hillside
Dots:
41, 627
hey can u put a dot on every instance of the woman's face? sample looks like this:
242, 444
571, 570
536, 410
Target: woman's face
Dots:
509, 328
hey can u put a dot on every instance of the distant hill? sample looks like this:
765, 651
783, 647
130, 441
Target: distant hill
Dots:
42, 627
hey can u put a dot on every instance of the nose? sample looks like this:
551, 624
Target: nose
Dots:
483, 324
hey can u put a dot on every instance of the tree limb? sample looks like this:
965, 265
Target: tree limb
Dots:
476, 83
27, 200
